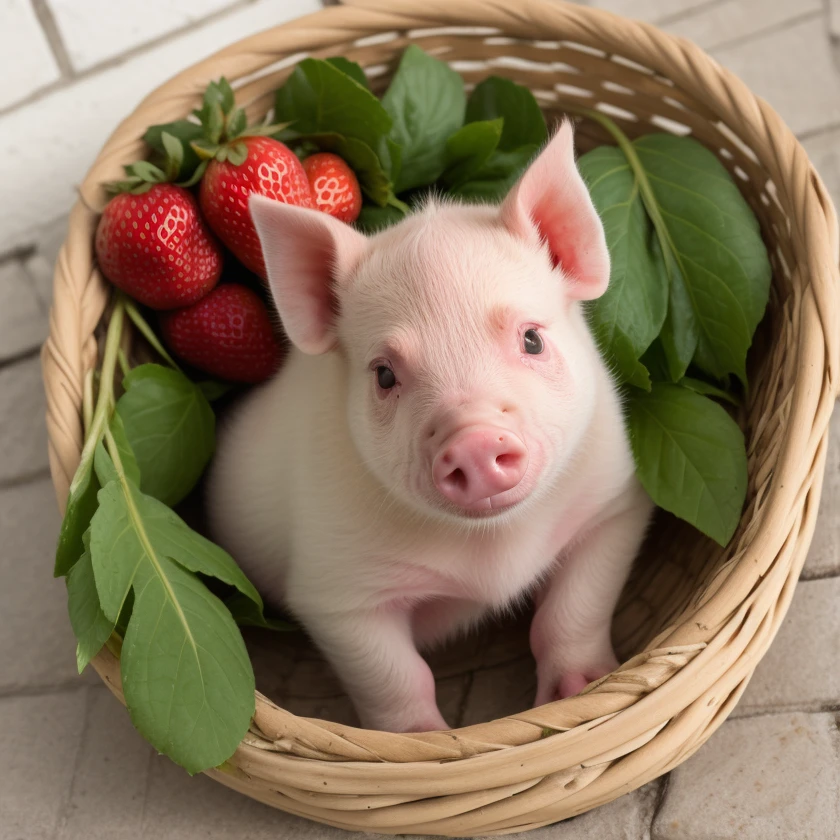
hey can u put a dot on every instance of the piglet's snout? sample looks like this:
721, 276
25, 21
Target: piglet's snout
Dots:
477, 463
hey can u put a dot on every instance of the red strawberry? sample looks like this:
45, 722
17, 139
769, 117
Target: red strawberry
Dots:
227, 334
270, 169
156, 248
335, 188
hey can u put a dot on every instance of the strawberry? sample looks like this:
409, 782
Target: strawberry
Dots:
253, 165
155, 246
226, 334
335, 188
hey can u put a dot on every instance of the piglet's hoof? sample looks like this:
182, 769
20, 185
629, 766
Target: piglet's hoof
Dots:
568, 685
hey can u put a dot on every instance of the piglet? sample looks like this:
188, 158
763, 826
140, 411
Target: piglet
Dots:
443, 443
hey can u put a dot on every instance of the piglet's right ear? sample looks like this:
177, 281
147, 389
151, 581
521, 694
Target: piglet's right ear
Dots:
307, 255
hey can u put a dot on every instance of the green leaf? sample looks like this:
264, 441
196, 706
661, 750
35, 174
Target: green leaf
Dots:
214, 123
246, 613
426, 102
196, 176
680, 331
186, 675
81, 504
318, 97
127, 456
351, 69
214, 390
690, 457
524, 123
170, 427
621, 357
174, 151
707, 389
219, 93
204, 149
716, 243
373, 179
469, 148
494, 180
146, 171
90, 625
390, 153
236, 123
184, 130
636, 299
237, 154
655, 361
373, 219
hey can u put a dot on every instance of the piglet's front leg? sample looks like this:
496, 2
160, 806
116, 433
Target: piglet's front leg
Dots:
373, 653
570, 633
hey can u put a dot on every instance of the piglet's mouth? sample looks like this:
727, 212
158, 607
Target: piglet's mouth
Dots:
497, 505
487, 508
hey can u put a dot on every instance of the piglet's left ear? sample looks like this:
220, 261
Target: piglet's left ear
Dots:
550, 202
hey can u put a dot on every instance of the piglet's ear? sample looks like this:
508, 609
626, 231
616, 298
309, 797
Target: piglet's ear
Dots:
550, 202
307, 255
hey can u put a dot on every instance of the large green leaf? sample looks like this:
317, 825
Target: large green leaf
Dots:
623, 362
494, 180
690, 457
714, 240
372, 219
81, 504
630, 314
246, 613
90, 625
170, 427
350, 68
469, 148
186, 675
699, 386
426, 102
318, 97
524, 123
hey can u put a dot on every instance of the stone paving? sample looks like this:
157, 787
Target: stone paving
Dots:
73, 767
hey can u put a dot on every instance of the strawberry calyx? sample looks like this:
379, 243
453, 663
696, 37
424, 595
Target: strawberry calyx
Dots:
142, 175
225, 128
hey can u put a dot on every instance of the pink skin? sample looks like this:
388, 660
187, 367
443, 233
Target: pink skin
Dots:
478, 468
390, 511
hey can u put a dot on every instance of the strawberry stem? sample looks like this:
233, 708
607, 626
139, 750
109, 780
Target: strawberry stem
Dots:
148, 333
125, 367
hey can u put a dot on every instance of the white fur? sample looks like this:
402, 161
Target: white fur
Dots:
321, 487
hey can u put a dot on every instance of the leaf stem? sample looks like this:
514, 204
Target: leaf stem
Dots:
105, 400
125, 367
645, 189
148, 333
393, 201
87, 402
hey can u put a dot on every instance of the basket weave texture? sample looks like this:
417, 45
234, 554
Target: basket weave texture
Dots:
695, 619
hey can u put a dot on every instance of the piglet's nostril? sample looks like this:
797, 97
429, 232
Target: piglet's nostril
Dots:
508, 460
457, 479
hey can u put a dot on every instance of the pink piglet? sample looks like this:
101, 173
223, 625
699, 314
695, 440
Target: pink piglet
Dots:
444, 440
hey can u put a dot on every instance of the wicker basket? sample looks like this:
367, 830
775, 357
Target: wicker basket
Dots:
695, 619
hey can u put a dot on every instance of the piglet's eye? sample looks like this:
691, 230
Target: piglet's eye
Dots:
532, 343
385, 377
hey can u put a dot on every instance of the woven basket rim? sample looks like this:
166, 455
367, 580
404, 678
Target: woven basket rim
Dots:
706, 659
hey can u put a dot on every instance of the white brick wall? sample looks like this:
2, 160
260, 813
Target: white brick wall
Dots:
47, 145
26, 62
93, 30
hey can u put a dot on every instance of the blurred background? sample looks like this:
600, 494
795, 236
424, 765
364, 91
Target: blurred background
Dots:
73, 767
